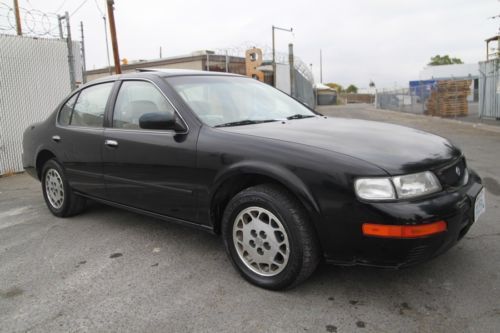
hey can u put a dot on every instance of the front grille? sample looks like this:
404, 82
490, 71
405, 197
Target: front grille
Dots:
453, 175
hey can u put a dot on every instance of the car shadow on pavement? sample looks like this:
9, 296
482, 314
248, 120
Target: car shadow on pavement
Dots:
422, 277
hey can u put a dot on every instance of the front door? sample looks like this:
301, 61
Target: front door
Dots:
148, 169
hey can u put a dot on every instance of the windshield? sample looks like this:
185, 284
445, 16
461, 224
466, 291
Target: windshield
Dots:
235, 101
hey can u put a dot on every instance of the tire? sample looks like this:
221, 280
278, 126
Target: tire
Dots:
58, 195
291, 241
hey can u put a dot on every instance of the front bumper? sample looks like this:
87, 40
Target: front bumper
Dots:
455, 206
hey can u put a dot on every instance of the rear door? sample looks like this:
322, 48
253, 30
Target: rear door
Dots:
153, 170
79, 138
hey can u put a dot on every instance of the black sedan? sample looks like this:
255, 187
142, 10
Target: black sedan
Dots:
284, 185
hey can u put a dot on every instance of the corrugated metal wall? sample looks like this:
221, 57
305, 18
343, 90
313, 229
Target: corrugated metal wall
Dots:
34, 78
489, 89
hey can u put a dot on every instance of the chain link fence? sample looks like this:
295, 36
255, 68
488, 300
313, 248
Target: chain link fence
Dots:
37, 69
232, 59
445, 98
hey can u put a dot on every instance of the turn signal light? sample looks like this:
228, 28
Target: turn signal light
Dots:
403, 231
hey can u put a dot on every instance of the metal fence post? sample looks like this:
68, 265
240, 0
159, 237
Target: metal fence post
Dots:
59, 18
227, 62
84, 66
71, 63
292, 70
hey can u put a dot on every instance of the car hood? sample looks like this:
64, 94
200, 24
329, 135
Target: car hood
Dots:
396, 149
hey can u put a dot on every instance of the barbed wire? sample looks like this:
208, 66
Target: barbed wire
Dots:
34, 22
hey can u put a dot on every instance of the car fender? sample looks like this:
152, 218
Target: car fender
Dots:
280, 174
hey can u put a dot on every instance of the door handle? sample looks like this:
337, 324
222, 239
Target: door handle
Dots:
56, 138
111, 143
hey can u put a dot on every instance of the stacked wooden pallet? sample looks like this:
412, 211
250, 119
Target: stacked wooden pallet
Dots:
449, 98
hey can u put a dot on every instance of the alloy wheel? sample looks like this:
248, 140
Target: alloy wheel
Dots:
54, 188
261, 241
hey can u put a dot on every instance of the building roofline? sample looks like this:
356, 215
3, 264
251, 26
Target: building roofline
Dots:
165, 61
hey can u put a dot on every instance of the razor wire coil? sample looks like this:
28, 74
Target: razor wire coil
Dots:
34, 23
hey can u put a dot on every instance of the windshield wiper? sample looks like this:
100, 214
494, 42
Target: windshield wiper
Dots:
245, 122
300, 116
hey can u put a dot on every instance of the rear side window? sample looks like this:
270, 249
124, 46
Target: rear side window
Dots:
65, 113
135, 99
90, 106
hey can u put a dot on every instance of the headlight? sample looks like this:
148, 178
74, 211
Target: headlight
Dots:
375, 189
400, 187
415, 185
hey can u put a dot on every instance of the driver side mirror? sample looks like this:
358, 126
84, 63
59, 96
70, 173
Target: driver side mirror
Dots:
161, 121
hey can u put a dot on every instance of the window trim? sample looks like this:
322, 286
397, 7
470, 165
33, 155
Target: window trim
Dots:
62, 107
77, 93
170, 131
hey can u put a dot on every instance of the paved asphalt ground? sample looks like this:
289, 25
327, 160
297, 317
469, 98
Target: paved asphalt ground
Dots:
109, 270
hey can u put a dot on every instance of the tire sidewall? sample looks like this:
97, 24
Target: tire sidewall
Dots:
263, 200
53, 164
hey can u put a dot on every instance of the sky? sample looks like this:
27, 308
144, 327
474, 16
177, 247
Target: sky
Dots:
387, 41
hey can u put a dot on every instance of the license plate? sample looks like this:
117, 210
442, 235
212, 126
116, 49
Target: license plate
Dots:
479, 205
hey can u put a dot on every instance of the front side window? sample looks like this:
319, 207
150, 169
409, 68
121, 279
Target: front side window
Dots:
135, 99
66, 110
222, 100
90, 106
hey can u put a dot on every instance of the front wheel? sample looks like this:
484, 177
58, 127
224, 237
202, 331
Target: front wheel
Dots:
58, 195
269, 238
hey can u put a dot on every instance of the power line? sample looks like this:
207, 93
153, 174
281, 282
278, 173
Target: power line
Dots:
61, 6
29, 3
99, 8
77, 9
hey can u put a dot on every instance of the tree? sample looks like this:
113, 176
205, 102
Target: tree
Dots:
335, 86
438, 60
352, 89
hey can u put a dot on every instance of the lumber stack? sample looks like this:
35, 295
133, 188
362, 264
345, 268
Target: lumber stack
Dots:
449, 98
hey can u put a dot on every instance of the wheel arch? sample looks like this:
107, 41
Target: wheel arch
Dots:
41, 158
242, 176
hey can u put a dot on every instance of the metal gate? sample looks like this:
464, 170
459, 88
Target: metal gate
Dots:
489, 89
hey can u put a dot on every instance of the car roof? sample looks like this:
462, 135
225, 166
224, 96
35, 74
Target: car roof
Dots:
145, 73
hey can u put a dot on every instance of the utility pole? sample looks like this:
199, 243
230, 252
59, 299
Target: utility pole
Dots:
292, 70
160, 52
84, 66
274, 51
18, 18
320, 66
71, 63
107, 43
114, 41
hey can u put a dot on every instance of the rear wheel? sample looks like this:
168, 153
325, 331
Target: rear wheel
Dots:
269, 238
59, 197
